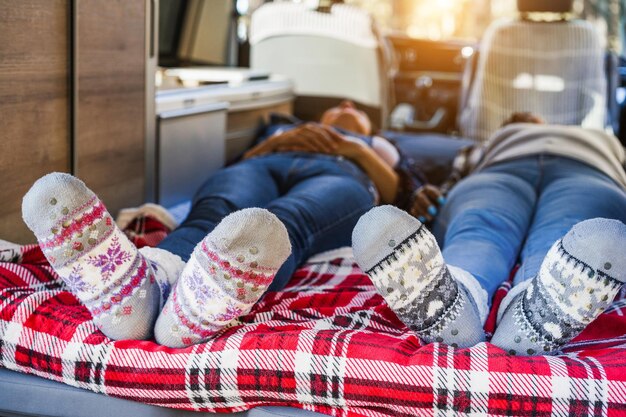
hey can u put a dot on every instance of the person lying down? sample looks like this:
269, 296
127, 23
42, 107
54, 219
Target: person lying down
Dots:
488, 217
552, 197
297, 193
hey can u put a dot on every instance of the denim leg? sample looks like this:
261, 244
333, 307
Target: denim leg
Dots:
249, 183
484, 222
319, 213
570, 192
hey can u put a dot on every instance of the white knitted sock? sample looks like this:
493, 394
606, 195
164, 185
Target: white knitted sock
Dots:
94, 258
167, 268
229, 270
578, 279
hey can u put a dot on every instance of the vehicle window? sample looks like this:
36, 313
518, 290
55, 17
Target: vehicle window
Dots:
610, 17
467, 19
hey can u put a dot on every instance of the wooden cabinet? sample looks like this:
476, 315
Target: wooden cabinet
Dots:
34, 102
72, 99
110, 87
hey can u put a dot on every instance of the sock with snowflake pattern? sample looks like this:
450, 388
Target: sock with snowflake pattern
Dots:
405, 264
577, 280
94, 258
227, 273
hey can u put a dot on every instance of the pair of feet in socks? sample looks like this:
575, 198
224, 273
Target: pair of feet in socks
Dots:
128, 290
578, 279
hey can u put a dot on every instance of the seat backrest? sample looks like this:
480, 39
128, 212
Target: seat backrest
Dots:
326, 55
553, 69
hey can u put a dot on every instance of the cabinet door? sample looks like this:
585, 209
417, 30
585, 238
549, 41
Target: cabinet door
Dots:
34, 97
110, 117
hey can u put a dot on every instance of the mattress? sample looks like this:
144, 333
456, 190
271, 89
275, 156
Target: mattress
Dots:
327, 343
28, 395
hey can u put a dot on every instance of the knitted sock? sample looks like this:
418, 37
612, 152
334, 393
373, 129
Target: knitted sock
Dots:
226, 275
100, 266
577, 281
405, 264
167, 268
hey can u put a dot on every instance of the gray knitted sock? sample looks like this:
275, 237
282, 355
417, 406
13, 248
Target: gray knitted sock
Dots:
226, 275
405, 264
577, 281
97, 262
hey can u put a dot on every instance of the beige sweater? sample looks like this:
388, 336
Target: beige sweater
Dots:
593, 147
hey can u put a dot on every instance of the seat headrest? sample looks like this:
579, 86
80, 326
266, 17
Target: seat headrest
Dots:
554, 6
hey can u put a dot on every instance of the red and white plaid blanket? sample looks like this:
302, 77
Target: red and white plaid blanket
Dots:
327, 343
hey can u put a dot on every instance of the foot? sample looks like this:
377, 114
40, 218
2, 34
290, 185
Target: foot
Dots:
578, 279
94, 258
405, 264
226, 275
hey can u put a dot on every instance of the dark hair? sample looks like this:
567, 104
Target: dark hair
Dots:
555, 6
523, 117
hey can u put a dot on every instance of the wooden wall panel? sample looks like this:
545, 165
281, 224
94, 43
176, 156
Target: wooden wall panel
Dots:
34, 113
110, 119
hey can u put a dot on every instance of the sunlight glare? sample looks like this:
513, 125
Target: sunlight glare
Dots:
467, 52
438, 19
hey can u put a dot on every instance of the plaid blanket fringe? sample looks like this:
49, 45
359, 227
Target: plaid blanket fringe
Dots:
327, 343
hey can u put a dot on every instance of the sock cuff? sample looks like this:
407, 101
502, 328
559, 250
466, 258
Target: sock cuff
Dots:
127, 215
172, 264
167, 268
514, 292
478, 294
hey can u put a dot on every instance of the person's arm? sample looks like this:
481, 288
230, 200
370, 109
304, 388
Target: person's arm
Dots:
380, 172
315, 138
304, 138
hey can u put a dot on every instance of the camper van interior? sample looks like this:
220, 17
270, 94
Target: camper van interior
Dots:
312, 207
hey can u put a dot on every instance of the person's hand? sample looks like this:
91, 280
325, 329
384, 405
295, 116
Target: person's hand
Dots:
309, 137
344, 146
427, 202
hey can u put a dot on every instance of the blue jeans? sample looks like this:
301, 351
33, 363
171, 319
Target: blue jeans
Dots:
319, 199
515, 210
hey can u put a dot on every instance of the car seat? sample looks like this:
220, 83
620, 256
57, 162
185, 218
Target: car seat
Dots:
553, 68
329, 56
